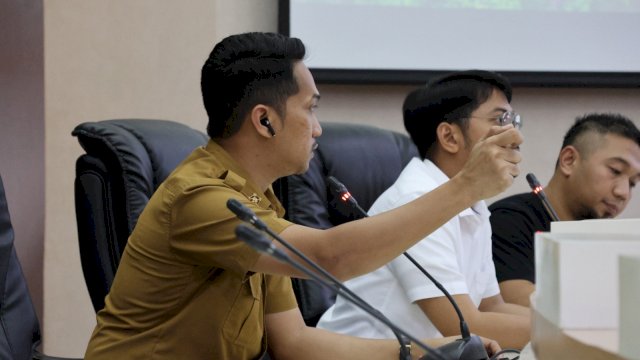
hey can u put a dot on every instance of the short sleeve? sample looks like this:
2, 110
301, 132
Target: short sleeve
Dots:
203, 228
512, 246
437, 254
488, 277
280, 296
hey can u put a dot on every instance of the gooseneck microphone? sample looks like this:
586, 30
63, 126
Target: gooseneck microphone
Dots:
343, 194
537, 189
467, 348
259, 242
245, 214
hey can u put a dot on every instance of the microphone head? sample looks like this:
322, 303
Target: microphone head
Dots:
259, 242
336, 186
253, 238
245, 214
239, 210
534, 183
463, 349
532, 180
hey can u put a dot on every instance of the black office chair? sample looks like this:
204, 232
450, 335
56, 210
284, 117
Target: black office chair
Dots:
19, 326
125, 162
367, 160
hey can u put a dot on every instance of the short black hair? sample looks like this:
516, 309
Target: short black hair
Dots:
451, 98
245, 70
602, 124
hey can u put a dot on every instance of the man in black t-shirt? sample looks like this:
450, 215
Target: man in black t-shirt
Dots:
597, 167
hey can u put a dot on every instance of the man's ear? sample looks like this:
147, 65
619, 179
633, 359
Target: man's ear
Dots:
568, 159
257, 117
449, 137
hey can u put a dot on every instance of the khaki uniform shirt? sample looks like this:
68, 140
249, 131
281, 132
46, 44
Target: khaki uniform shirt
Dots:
183, 289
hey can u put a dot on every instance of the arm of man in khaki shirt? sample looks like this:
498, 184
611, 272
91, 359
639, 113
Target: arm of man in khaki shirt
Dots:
361, 246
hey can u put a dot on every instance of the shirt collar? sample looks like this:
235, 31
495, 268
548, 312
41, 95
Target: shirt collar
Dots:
479, 208
236, 177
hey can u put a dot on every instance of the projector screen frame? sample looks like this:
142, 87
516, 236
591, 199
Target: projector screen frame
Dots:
560, 79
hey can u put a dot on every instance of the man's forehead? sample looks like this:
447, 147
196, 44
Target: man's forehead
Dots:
497, 101
304, 78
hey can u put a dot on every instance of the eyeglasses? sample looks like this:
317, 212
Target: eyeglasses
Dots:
508, 117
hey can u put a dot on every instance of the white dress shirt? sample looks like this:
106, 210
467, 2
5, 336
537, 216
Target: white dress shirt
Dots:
458, 255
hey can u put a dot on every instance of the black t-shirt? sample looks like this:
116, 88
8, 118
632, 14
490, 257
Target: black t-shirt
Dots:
514, 221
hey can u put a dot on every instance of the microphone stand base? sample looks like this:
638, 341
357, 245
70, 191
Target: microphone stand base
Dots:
462, 349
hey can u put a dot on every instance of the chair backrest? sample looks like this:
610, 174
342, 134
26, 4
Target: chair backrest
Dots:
367, 160
125, 162
19, 328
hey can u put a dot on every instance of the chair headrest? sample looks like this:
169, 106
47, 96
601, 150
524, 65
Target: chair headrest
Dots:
140, 146
143, 152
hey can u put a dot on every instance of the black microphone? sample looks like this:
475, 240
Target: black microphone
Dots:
245, 214
469, 347
343, 194
259, 242
537, 189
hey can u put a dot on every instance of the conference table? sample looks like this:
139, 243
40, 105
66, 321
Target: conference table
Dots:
527, 353
548, 341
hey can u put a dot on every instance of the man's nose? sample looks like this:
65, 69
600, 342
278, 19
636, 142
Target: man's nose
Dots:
622, 189
317, 129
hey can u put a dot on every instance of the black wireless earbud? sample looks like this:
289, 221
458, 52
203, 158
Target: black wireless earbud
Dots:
265, 122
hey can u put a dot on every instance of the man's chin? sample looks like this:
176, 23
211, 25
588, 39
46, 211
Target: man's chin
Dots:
611, 211
590, 214
302, 171
605, 215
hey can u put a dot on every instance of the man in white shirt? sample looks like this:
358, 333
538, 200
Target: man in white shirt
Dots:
445, 119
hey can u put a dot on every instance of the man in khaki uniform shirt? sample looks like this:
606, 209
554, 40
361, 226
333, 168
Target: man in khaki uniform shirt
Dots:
186, 288
172, 273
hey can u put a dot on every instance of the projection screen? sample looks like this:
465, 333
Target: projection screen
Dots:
534, 42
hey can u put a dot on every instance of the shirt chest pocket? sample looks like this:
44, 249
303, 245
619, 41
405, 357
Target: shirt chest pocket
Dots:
244, 324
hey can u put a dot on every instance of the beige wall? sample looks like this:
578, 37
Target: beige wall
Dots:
22, 132
118, 58
115, 59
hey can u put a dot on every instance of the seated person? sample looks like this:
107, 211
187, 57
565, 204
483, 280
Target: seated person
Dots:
188, 288
597, 167
445, 119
